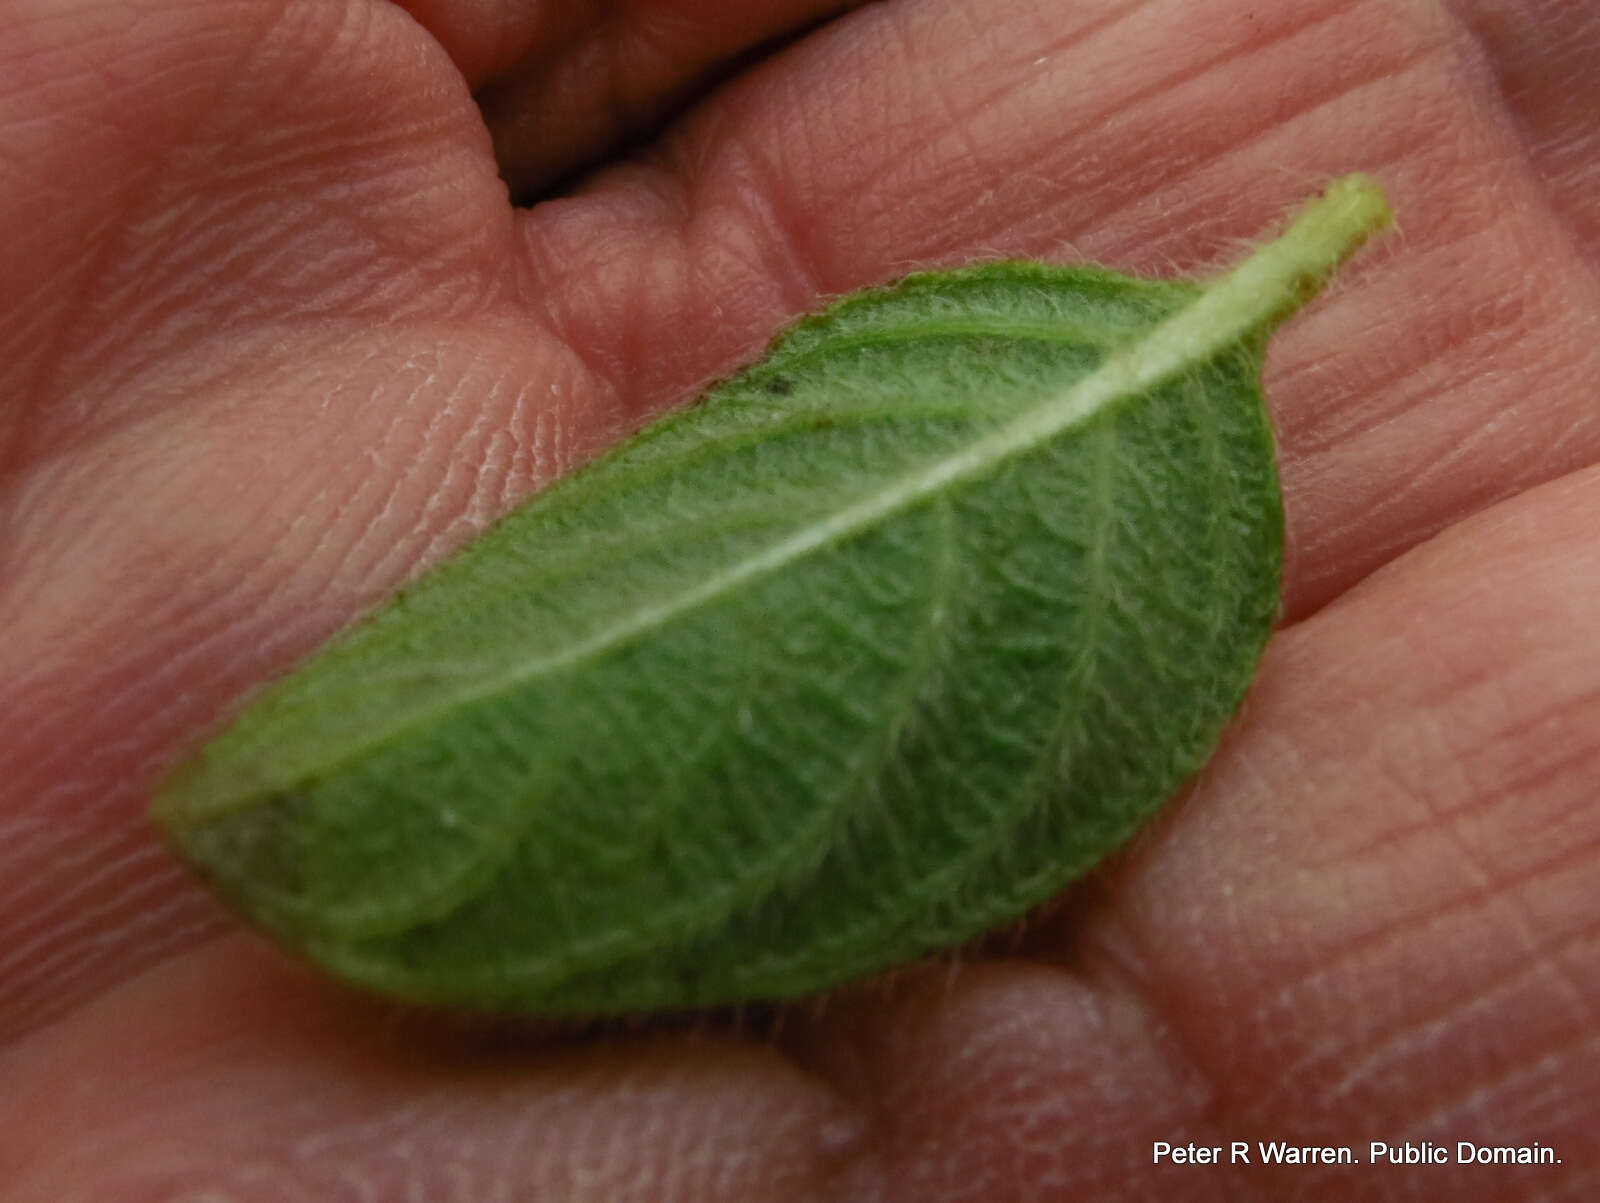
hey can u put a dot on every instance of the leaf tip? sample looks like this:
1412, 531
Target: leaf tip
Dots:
1350, 210
1333, 226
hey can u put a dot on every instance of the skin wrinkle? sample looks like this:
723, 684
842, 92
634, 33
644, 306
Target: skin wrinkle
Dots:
1493, 69
182, 646
1561, 764
1395, 933
46, 937
486, 471
1461, 12
1438, 1029
1194, 72
956, 120
1213, 156
132, 898
783, 257
14, 449
1482, 1093
178, 300
332, 542
561, 330
179, 931
391, 488
1363, 1061
1419, 828
438, 419
1384, 158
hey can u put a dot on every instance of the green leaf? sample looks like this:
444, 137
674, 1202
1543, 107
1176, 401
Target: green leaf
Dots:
883, 642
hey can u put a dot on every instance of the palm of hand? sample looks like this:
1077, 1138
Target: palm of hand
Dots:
278, 340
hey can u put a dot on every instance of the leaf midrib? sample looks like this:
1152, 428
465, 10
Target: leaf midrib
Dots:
577, 958
1125, 373
1256, 294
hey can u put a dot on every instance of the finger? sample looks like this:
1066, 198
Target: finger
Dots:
264, 259
1451, 370
562, 85
253, 169
1377, 913
225, 1076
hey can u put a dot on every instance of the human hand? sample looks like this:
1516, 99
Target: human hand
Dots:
275, 340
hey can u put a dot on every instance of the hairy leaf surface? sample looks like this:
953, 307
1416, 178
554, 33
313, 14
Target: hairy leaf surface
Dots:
881, 643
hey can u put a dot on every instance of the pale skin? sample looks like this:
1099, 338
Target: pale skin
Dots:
275, 340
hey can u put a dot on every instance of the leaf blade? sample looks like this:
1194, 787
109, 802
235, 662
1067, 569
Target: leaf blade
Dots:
424, 808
